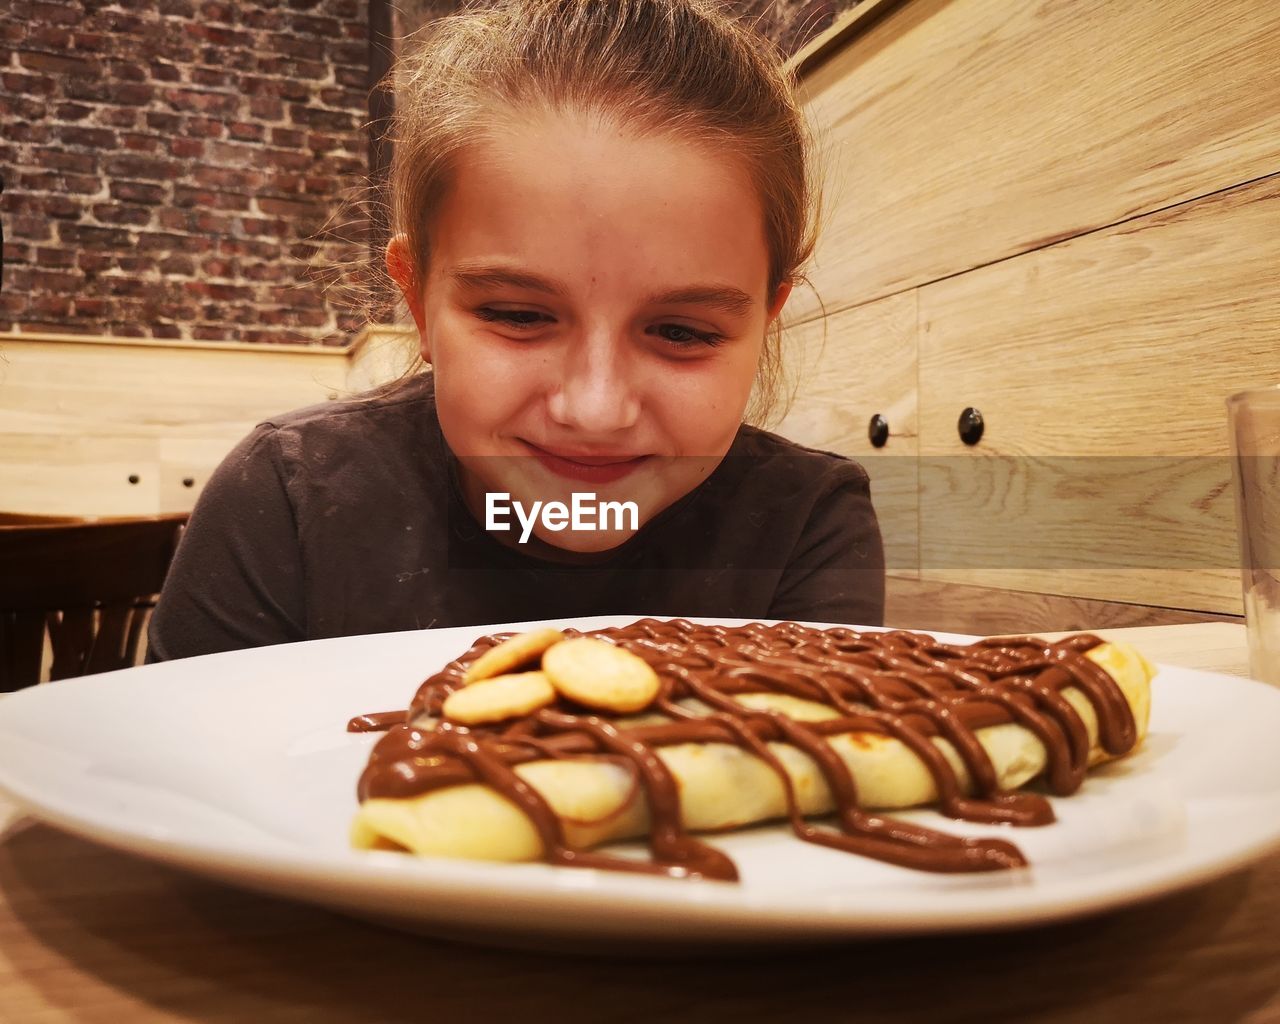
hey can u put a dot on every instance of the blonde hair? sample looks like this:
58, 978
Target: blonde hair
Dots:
678, 67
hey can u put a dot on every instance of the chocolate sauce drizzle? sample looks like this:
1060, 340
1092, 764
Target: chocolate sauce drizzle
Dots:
904, 685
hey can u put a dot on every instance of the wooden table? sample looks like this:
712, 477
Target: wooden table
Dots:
87, 934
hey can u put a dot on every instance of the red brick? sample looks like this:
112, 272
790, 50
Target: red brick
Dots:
131, 94
58, 64
212, 223
320, 28
31, 133
93, 263
148, 168
90, 306
117, 117
210, 78
166, 330
259, 226
136, 143
162, 121
54, 280
35, 228
161, 241
205, 127
50, 257
348, 99
137, 192
174, 220
266, 108
186, 196
285, 183
221, 36
91, 138
187, 149
289, 137
127, 71
246, 131
219, 12
265, 271
119, 213
89, 42
31, 85
353, 53
80, 163
138, 265
227, 177
91, 237
113, 284
178, 264
352, 78
23, 108
122, 23
256, 18
197, 101
50, 305
50, 37
162, 71
62, 207
71, 111
54, 14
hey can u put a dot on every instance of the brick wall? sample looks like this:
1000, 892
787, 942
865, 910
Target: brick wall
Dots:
167, 164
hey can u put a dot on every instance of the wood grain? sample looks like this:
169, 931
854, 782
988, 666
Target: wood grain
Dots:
79, 416
955, 133
846, 369
957, 608
1101, 366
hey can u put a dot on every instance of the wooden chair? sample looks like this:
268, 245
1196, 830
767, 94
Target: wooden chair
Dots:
86, 583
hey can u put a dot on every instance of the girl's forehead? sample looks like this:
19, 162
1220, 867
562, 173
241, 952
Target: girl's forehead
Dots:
567, 191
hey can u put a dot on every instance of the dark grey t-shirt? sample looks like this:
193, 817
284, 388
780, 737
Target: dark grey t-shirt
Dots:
347, 518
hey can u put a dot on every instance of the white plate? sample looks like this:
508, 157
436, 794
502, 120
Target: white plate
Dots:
237, 766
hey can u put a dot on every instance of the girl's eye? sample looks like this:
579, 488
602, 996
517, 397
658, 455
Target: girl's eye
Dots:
680, 336
512, 317
675, 335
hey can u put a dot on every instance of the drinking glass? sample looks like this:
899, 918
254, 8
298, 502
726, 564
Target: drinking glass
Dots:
1254, 418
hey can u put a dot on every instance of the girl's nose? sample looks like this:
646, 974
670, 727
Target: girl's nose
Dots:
596, 393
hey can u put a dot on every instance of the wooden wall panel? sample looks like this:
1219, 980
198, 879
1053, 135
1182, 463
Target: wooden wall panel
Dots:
960, 132
1101, 366
80, 416
864, 363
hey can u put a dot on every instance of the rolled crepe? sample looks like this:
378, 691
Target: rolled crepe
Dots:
722, 785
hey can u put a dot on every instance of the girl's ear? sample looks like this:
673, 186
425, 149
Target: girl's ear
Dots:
400, 267
779, 300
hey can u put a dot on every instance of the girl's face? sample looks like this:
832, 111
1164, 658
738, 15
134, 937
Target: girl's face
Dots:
594, 313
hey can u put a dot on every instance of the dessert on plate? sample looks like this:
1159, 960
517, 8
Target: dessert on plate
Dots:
548, 744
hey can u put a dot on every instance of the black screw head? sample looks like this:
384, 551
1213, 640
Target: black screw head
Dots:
971, 426
134, 478
188, 481
878, 431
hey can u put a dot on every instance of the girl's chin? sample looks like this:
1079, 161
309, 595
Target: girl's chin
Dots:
581, 542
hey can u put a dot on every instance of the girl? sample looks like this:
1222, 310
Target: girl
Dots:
599, 208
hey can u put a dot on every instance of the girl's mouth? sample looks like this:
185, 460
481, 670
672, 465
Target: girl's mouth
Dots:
594, 468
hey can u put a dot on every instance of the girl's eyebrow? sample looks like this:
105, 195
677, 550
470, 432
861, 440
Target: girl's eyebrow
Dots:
726, 298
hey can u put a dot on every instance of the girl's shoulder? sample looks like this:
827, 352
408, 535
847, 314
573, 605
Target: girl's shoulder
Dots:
770, 453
